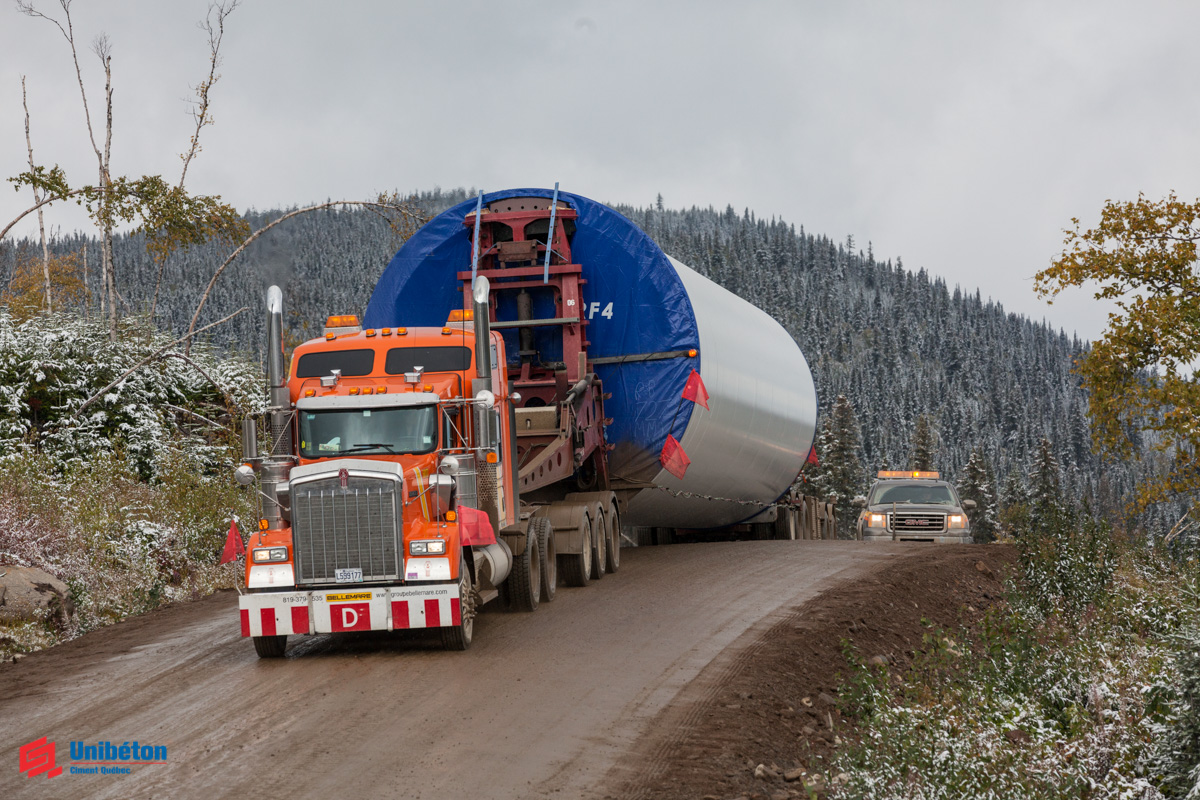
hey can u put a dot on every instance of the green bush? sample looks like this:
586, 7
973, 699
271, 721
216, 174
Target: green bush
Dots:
1067, 559
1073, 689
129, 501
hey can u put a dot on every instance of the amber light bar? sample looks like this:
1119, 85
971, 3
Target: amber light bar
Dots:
915, 473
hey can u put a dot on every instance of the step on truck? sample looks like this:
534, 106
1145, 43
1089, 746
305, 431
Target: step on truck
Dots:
532, 377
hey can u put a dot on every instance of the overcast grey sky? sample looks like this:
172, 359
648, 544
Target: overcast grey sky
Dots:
960, 136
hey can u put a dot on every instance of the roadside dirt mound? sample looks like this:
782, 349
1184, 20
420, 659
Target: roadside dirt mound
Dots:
775, 705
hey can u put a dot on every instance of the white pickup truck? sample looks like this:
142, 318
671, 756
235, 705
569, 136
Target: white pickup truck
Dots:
914, 506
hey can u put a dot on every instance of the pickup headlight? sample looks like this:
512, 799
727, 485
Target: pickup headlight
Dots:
265, 555
956, 521
433, 547
876, 520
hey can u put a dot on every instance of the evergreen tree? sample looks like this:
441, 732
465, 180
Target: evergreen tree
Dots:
978, 484
1014, 504
924, 444
840, 474
1045, 478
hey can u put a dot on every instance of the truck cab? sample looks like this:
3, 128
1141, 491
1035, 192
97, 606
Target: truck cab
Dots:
913, 506
389, 489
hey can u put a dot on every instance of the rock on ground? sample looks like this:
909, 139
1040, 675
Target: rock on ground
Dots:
28, 594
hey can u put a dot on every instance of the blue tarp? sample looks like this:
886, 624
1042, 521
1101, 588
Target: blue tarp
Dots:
649, 313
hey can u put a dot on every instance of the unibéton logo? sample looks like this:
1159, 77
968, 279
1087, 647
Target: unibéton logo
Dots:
37, 758
102, 758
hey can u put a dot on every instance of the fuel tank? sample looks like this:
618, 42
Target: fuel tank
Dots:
650, 321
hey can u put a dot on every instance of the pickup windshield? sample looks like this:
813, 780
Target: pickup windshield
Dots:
919, 495
368, 431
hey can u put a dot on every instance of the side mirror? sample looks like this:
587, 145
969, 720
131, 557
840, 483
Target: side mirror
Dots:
244, 475
859, 502
968, 505
441, 487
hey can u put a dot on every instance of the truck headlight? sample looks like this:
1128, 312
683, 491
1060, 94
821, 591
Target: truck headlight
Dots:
433, 547
263, 555
877, 520
956, 521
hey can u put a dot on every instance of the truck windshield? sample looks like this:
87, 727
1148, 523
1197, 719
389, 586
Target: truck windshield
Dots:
923, 495
366, 431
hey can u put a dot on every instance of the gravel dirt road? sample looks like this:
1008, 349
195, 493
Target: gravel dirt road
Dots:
542, 705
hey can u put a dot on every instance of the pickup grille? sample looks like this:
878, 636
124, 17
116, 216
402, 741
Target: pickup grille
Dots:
919, 523
356, 527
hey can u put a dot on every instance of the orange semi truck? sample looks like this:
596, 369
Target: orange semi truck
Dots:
454, 449
412, 430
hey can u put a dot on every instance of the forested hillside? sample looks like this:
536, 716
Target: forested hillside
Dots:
898, 343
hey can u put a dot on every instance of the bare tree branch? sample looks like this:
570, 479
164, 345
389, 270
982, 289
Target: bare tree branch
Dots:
190, 413
296, 212
200, 112
37, 196
102, 48
156, 354
34, 208
199, 369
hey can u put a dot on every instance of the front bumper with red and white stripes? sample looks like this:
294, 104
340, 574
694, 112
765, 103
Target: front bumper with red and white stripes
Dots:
377, 608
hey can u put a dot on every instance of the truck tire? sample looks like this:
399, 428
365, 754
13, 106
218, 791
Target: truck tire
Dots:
576, 568
599, 541
614, 537
525, 580
549, 555
458, 637
270, 646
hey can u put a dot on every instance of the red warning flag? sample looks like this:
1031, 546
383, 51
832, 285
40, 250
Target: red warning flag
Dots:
694, 390
673, 459
233, 543
812, 457
474, 527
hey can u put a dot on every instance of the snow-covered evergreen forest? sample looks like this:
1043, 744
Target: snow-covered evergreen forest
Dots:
898, 343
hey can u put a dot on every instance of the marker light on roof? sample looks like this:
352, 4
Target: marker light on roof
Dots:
915, 474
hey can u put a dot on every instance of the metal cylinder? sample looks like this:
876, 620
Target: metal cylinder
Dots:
483, 338
249, 438
650, 321
492, 563
277, 465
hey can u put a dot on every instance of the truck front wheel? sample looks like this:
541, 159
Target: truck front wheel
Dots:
270, 646
458, 637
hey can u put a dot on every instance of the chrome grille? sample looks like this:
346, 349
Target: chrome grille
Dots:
355, 527
919, 523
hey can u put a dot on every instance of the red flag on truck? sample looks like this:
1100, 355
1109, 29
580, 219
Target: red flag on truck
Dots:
694, 390
474, 527
233, 543
673, 459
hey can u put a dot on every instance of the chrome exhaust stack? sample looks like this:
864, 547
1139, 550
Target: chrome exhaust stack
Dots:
276, 464
486, 436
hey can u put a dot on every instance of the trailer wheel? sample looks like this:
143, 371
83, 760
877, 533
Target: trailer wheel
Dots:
270, 646
458, 637
576, 568
600, 534
549, 556
614, 537
525, 580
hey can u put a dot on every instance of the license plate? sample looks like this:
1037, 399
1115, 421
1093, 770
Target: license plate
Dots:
348, 575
